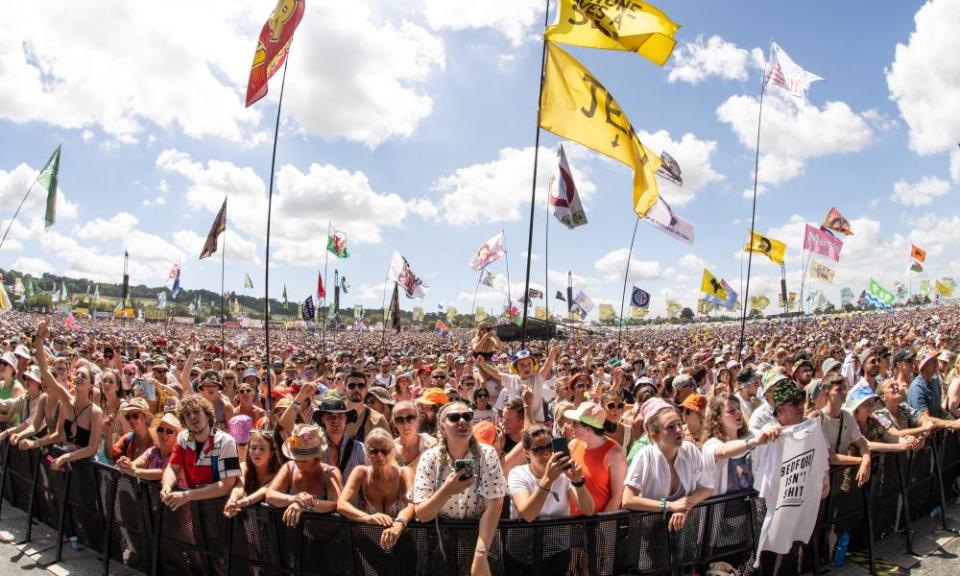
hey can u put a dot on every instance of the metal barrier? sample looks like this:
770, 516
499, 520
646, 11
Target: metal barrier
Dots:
124, 520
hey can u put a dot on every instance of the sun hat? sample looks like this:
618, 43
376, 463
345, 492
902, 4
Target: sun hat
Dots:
770, 378
33, 373
135, 405
22, 352
651, 407
333, 402
9, 358
904, 355
588, 413
802, 362
857, 396
814, 388
433, 397
696, 402
170, 419
947, 356
239, 427
682, 381
747, 376
307, 441
829, 365
250, 373
926, 355
381, 394
520, 355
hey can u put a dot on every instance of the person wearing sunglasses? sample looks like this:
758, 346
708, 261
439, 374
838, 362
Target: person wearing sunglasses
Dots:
367, 418
461, 479
136, 413
410, 443
482, 410
613, 405
150, 464
544, 488
247, 404
376, 493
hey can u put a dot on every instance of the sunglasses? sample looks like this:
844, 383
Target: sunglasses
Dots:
129, 373
230, 379
245, 391
132, 417
614, 405
538, 450
483, 395
408, 419
355, 385
378, 451
457, 416
166, 430
438, 377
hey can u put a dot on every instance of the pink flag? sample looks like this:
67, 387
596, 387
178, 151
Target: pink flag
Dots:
823, 243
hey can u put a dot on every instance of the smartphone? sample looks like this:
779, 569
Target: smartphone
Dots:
560, 445
467, 468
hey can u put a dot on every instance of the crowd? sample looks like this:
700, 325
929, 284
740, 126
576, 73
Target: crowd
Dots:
465, 427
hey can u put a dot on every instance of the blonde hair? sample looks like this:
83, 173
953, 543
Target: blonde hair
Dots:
378, 434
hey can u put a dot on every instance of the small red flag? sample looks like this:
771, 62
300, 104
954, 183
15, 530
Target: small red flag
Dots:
272, 46
321, 293
918, 254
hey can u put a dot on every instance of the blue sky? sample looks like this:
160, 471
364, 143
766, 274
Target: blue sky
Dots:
411, 128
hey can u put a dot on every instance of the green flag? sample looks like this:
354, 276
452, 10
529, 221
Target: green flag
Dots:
880, 292
247, 282
48, 179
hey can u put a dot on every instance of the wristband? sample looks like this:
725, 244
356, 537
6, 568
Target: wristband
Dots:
401, 520
541, 487
578, 484
663, 507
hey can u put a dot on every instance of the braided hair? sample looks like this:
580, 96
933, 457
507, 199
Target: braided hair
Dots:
474, 446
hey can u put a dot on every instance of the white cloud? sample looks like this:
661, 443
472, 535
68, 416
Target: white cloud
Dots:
155, 201
150, 258
693, 156
955, 166
692, 262
880, 120
926, 85
52, 70
514, 19
791, 136
30, 221
118, 226
34, 266
424, 208
496, 191
698, 60
238, 248
921, 192
613, 266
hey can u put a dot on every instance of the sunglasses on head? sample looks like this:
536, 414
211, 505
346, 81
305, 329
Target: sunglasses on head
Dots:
541, 449
457, 416
409, 418
355, 385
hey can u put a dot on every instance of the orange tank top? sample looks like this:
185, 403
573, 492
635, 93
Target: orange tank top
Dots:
595, 472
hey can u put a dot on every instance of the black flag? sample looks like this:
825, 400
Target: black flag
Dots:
395, 308
219, 226
560, 297
308, 311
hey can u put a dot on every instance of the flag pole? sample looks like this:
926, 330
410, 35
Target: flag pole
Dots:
323, 325
533, 185
623, 294
546, 260
383, 306
223, 294
15, 214
506, 261
753, 215
266, 281
473, 309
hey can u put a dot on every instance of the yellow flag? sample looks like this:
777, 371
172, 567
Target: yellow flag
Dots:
711, 285
673, 308
480, 314
943, 288
540, 313
574, 105
772, 249
704, 307
638, 312
759, 303
607, 312
630, 26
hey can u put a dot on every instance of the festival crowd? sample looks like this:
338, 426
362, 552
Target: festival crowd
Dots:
464, 426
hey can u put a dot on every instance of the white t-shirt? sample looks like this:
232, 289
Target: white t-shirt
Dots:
762, 416
789, 476
847, 435
488, 415
557, 503
649, 473
720, 470
513, 385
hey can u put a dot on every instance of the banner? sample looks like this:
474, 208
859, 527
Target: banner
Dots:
782, 71
662, 217
563, 195
583, 304
821, 272
772, 249
822, 243
759, 303
418, 314
480, 314
704, 307
835, 221
607, 313
272, 46
451, 313
575, 105
674, 308
628, 26
489, 252
640, 298
943, 288
540, 312
880, 293
401, 273
637, 313
218, 227
47, 179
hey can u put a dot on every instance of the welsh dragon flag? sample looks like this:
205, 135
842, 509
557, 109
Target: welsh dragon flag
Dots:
337, 243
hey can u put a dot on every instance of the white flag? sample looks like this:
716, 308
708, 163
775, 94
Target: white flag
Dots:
662, 216
583, 303
782, 71
490, 251
564, 197
401, 273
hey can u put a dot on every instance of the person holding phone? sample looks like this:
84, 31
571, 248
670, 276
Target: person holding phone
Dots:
544, 488
461, 479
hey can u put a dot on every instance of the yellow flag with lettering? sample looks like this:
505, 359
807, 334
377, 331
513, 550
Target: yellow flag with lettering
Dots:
574, 105
630, 26
711, 285
772, 249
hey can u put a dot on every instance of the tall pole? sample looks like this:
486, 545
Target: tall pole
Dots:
323, 325
623, 294
546, 260
15, 214
506, 262
266, 279
753, 218
533, 185
223, 294
473, 308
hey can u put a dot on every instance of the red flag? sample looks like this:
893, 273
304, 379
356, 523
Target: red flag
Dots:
321, 293
835, 221
272, 46
918, 254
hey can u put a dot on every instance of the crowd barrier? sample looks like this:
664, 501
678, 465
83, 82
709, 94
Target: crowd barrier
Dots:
124, 520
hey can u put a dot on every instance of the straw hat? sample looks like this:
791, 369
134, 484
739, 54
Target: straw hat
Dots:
305, 443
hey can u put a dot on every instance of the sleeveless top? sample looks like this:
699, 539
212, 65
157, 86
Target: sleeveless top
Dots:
595, 472
76, 434
290, 489
399, 504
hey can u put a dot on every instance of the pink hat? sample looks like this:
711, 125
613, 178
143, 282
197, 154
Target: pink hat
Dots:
651, 407
239, 427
